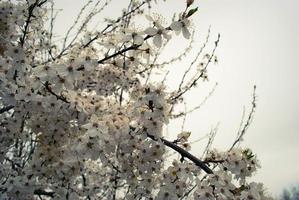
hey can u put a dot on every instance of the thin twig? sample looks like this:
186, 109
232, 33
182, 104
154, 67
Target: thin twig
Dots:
193, 83
75, 23
182, 114
110, 25
210, 141
195, 59
28, 20
53, 93
189, 191
248, 121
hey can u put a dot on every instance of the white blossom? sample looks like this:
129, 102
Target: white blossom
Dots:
181, 26
86, 120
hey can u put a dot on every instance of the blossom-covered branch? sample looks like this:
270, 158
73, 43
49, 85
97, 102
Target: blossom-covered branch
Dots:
84, 117
184, 154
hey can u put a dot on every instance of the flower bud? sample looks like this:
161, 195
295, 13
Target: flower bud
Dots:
189, 2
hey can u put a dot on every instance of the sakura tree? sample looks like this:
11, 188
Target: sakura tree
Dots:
83, 117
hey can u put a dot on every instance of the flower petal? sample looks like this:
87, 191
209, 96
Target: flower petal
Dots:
186, 33
151, 31
138, 40
166, 36
149, 18
176, 26
158, 41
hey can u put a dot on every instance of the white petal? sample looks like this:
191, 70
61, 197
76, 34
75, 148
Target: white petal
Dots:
151, 31
138, 40
147, 57
92, 132
61, 70
87, 126
94, 118
158, 41
176, 26
149, 18
158, 25
186, 22
166, 36
186, 33
127, 38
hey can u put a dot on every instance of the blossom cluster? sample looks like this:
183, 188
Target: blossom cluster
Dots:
84, 120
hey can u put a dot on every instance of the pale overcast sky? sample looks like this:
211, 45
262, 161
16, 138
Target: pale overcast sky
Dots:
259, 45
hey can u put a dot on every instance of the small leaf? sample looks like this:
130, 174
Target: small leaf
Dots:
191, 12
249, 154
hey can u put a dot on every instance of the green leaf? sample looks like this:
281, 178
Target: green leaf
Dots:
249, 154
191, 12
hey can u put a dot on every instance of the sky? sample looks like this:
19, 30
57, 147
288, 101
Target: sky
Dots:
259, 46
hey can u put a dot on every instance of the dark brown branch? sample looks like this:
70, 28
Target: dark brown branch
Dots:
97, 36
184, 154
53, 93
213, 161
5, 109
44, 193
13, 163
115, 185
132, 47
53, 17
118, 53
31, 8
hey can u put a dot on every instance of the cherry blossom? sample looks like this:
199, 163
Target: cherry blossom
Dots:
181, 26
83, 118
157, 32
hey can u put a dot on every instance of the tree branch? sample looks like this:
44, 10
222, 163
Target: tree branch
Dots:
248, 121
118, 53
181, 92
53, 93
184, 154
43, 192
5, 109
109, 25
28, 20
